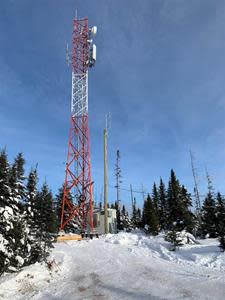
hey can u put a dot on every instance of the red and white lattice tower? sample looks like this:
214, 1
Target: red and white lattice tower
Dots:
78, 166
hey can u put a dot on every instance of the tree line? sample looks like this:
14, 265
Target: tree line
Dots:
28, 215
169, 209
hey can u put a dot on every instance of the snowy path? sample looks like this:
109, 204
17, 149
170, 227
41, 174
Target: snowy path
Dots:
124, 266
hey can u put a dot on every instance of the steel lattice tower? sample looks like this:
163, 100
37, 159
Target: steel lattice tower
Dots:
78, 180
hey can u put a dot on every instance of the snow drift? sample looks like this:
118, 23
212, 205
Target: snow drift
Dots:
122, 266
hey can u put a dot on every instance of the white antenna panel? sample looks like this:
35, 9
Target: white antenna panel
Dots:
94, 30
94, 52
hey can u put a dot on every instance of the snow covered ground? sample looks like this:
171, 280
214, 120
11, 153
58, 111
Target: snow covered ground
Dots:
123, 266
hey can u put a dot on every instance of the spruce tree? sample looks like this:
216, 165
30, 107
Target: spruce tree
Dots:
30, 199
134, 215
155, 200
58, 205
46, 212
209, 216
34, 252
11, 226
5, 224
162, 206
149, 217
155, 197
220, 220
187, 216
21, 223
138, 218
118, 217
123, 212
12, 177
126, 223
174, 204
209, 220
46, 221
179, 203
16, 180
4, 178
19, 164
173, 237
41, 219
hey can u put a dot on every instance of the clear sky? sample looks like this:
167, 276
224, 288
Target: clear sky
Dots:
160, 72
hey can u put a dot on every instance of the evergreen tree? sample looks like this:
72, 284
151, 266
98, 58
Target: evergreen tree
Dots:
162, 206
46, 221
19, 164
179, 203
12, 181
173, 237
58, 205
123, 210
31, 214
138, 218
134, 214
16, 180
220, 220
118, 217
46, 212
209, 220
209, 216
149, 217
4, 179
41, 219
155, 200
187, 216
174, 205
5, 224
35, 252
155, 197
112, 206
126, 223
22, 222
11, 226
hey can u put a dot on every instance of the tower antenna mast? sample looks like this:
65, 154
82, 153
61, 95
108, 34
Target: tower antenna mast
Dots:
196, 192
78, 180
209, 181
118, 178
106, 174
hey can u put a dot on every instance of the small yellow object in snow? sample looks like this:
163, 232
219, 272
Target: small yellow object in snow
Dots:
72, 237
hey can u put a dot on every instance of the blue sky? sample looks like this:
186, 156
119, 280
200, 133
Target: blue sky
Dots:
160, 72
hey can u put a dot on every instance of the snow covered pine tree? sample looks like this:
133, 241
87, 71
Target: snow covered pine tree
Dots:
12, 227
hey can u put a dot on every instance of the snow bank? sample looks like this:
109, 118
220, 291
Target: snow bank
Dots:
206, 254
123, 266
122, 238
